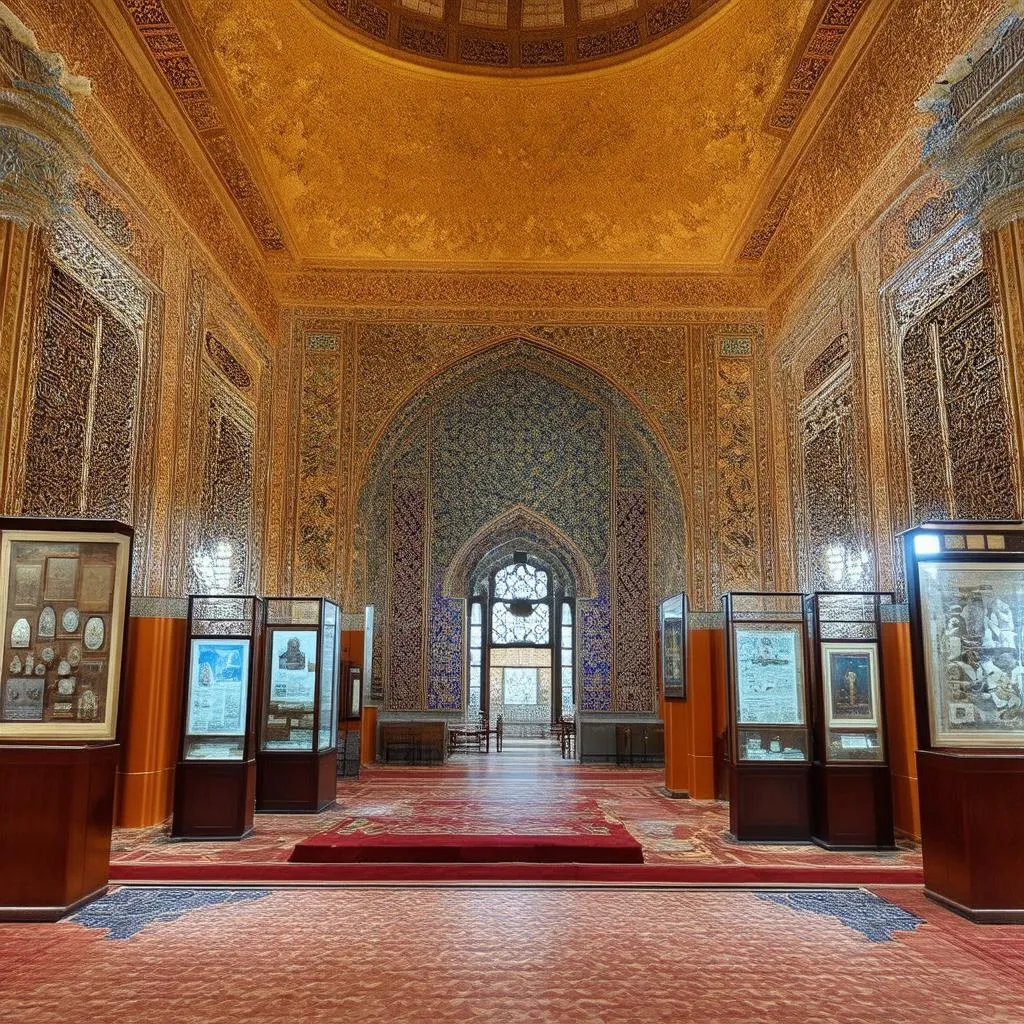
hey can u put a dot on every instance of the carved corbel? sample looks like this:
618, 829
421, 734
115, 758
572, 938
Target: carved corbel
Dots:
977, 141
42, 146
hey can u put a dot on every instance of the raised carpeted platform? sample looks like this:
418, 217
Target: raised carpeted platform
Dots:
572, 831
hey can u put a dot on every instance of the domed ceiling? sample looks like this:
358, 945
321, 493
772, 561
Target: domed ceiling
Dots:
367, 160
529, 35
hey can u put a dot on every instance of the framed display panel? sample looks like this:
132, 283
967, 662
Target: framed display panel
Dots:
64, 604
300, 693
846, 632
219, 710
767, 688
673, 634
965, 586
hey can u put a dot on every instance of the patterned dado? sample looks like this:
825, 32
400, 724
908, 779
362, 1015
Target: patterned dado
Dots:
518, 446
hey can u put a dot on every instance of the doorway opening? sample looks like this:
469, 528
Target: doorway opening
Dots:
521, 651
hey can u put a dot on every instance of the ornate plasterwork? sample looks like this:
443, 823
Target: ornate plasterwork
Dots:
978, 139
185, 79
42, 146
491, 37
828, 27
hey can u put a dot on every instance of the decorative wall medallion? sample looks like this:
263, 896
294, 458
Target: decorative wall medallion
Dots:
21, 633
70, 620
66, 687
47, 655
75, 655
63, 669
30, 663
94, 634
47, 624
40, 669
15, 665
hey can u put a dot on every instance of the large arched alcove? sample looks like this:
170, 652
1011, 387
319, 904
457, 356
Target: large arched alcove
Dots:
518, 449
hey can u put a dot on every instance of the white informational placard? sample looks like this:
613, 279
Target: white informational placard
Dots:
293, 656
769, 675
218, 683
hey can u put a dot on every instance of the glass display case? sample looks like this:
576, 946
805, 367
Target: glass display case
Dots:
672, 639
850, 779
769, 726
965, 595
220, 669
64, 601
215, 776
299, 712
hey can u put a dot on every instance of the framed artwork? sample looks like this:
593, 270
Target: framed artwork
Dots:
218, 685
41, 576
28, 582
769, 674
355, 692
61, 578
850, 681
97, 587
971, 620
672, 616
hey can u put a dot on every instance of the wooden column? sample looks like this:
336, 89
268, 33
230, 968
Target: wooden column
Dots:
152, 721
901, 733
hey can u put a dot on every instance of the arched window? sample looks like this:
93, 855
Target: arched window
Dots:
521, 608
566, 661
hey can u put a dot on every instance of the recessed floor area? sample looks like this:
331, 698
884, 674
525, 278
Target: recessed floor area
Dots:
511, 955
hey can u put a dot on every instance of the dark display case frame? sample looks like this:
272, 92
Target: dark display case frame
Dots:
769, 798
302, 781
214, 798
851, 796
972, 795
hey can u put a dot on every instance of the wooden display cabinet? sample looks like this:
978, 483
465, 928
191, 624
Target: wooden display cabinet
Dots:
215, 779
769, 746
851, 790
297, 759
64, 606
965, 587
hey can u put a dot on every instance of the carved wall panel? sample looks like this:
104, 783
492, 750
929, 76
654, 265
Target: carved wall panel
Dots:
959, 441
81, 445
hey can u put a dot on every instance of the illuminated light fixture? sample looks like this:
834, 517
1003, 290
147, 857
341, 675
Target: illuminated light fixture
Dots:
927, 544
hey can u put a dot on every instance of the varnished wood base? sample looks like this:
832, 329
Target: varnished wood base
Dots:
214, 799
770, 803
47, 915
972, 833
852, 807
56, 819
296, 783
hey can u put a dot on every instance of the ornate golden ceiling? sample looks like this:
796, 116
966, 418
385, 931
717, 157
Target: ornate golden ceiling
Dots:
528, 35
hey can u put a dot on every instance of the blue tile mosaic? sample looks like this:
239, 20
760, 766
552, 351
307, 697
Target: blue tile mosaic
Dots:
127, 911
876, 919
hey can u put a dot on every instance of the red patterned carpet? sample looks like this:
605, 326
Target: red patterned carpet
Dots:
524, 787
609, 956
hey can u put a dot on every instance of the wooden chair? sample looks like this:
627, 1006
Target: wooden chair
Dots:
568, 735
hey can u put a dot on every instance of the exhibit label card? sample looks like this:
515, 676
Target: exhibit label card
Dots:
217, 687
769, 675
293, 666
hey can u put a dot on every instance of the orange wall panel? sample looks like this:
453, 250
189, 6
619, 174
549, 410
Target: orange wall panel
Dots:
151, 720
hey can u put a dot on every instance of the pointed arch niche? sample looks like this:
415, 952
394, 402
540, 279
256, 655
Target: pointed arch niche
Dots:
518, 453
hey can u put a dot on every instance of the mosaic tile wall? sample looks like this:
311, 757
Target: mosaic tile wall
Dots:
518, 427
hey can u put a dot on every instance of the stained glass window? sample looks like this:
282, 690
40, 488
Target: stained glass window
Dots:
508, 628
520, 582
476, 660
566, 661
